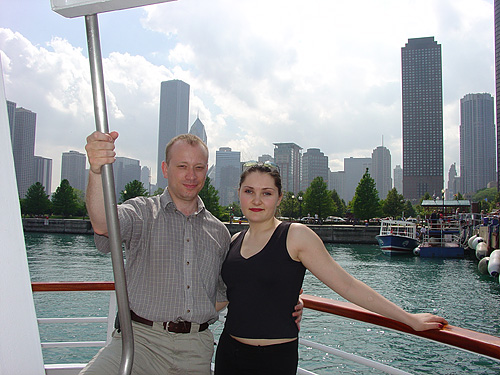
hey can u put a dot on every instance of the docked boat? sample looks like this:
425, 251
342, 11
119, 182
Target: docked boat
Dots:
397, 237
443, 237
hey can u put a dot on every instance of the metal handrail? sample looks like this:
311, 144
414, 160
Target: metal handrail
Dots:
113, 226
468, 340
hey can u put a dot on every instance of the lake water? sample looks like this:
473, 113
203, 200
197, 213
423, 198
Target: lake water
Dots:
452, 288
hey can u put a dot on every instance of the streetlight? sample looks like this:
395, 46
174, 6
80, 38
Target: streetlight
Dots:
300, 206
293, 204
90, 9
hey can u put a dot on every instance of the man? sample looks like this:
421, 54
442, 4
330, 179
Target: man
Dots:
174, 252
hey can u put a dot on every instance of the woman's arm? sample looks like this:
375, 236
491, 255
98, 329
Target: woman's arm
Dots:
304, 245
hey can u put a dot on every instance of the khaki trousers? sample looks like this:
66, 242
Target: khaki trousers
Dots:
157, 351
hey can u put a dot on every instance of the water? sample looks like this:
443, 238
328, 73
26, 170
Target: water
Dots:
448, 287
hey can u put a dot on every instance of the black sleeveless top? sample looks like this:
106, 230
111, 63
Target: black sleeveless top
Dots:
263, 289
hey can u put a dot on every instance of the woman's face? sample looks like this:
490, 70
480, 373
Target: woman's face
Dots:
259, 197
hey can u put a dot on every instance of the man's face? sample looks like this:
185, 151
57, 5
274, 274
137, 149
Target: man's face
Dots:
186, 171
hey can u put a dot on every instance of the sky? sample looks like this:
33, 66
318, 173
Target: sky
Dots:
320, 73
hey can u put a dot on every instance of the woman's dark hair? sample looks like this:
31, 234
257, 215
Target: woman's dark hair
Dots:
262, 168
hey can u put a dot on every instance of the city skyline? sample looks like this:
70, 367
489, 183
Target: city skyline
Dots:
328, 76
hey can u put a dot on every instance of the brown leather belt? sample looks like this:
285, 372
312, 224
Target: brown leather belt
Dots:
175, 327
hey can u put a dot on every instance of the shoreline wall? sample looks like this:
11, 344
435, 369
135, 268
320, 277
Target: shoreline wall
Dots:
352, 234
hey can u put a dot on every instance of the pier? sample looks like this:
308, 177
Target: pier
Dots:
352, 234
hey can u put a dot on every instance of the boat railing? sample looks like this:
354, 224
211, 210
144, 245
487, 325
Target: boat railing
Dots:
467, 340
398, 228
443, 232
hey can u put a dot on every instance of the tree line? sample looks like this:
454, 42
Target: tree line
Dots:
316, 201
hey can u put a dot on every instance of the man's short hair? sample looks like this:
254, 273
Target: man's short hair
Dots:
189, 138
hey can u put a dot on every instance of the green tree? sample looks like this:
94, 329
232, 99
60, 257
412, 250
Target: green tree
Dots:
36, 202
393, 204
318, 200
340, 206
487, 195
158, 191
64, 200
289, 206
365, 204
409, 210
210, 197
133, 189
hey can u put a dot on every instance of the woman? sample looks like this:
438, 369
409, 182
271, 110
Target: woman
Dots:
266, 263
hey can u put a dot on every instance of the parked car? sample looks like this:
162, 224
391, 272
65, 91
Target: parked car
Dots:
334, 219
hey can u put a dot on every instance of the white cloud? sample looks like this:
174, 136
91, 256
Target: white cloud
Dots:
321, 74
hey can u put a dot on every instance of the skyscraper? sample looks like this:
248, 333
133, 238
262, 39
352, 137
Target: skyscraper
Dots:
398, 179
23, 148
453, 182
227, 173
43, 173
422, 98
354, 169
174, 117
125, 170
73, 169
288, 157
477, 142
381, 170
314, 164
198, 129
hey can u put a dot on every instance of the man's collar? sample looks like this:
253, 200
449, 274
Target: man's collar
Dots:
166, 199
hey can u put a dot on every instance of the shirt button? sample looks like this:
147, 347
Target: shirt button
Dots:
188, 287
187, 263
187, 240
188, 310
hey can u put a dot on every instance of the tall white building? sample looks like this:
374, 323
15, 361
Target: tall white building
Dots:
288, 157
198, 129
314, 164
477, 142
336, 182
43, 173
381, 170
227, 174
73, 169
23, 146
398, 179
354, 169
146, 178
125, 170
174, 117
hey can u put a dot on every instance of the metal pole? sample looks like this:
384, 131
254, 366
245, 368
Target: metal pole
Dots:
113, 225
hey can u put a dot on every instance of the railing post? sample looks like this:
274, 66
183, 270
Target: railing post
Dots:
101, 119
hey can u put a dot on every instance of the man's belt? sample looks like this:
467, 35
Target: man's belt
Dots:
174, 327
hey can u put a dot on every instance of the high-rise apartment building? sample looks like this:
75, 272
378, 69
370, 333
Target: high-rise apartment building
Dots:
314, 164
453, 182
11, 113
146, 178
336, 182
354, 169
477, 142
23, 147
73, 169
125, 170
381, 170
43, 173
398, 179
174, 117
198, 129
227, 174
288, 157
422, 97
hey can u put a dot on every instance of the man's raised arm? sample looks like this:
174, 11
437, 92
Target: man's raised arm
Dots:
100, 149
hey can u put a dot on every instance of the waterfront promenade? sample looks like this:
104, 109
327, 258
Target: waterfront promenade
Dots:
351, 234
